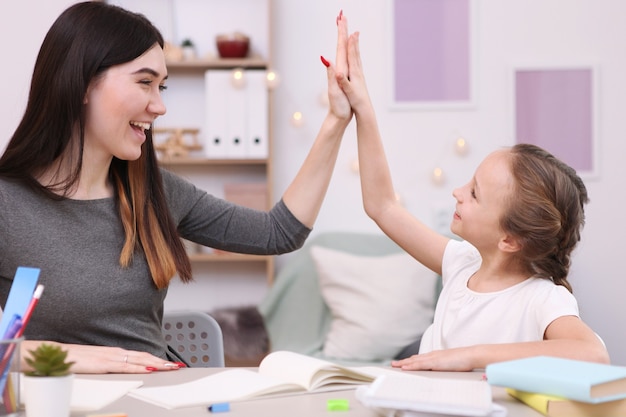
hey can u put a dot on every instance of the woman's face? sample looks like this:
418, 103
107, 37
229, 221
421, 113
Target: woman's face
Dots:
482, 201
122, 104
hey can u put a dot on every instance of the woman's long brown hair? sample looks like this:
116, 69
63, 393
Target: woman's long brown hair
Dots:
86, 40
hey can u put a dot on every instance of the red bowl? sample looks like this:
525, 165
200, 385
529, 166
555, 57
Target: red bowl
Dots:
232, 47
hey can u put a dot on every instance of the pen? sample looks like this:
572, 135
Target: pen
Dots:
12, 330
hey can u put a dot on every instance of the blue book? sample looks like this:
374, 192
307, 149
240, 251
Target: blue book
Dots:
576, 380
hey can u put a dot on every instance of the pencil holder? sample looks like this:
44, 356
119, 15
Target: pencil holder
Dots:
10, 376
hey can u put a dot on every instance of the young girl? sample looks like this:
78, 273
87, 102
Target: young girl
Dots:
505, 291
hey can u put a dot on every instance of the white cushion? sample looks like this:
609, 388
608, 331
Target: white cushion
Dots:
379, 304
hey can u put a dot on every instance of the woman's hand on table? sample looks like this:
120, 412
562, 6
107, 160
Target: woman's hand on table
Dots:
105, 359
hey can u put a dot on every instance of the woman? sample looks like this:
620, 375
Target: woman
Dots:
82, 197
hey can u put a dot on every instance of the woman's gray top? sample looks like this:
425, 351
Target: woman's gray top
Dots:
89, 298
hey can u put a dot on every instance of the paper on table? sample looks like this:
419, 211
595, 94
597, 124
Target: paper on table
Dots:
234, 384
94, 394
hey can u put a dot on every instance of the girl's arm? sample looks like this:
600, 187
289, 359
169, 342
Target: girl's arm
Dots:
379, 198
566, 337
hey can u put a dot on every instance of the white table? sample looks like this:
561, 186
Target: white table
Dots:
302, 405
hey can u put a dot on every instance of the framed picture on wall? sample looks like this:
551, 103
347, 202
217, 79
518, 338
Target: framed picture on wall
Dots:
555, 108
431, 48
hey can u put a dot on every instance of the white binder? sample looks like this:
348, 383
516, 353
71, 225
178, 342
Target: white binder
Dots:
257, 144
237, 117
236, 124
216, 84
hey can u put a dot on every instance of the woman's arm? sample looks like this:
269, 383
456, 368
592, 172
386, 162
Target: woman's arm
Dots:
566, 337
103, 359
379, 197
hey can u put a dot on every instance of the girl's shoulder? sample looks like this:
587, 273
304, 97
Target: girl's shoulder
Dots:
545, 290
460, 253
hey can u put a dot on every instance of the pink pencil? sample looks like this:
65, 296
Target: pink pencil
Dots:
30, 309
29, 312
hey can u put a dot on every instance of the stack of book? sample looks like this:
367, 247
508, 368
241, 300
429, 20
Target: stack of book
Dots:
563, 387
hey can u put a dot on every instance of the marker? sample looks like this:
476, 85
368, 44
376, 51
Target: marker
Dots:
339, 404
219, 408
14, 328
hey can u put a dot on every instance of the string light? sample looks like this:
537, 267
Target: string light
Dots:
271, 79
297, 119
461, 149
460, 146
238, 79
437, 176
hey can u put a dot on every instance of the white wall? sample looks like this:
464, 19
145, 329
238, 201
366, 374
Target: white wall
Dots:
23, 25
509, 32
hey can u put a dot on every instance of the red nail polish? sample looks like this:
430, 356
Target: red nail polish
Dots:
339, 17
151, 368
180, 364
326, 63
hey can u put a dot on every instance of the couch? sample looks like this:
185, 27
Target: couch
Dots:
319, 305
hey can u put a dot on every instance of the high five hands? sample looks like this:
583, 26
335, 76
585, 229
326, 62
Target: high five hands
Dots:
348, 72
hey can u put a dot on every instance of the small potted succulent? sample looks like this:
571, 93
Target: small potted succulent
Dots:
48, 385
189, 49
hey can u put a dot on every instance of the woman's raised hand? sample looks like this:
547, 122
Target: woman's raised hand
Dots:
339, 104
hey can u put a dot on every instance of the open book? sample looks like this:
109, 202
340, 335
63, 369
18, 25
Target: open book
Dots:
280, 372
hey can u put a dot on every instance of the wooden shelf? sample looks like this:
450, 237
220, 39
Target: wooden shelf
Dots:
217, 63
188, 78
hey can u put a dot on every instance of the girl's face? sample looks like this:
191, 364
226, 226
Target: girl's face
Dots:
122, 104
482, 201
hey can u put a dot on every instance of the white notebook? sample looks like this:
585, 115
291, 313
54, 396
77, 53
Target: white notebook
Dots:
429, 395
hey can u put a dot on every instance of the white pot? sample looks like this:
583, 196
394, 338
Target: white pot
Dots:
189, 53
47, 396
